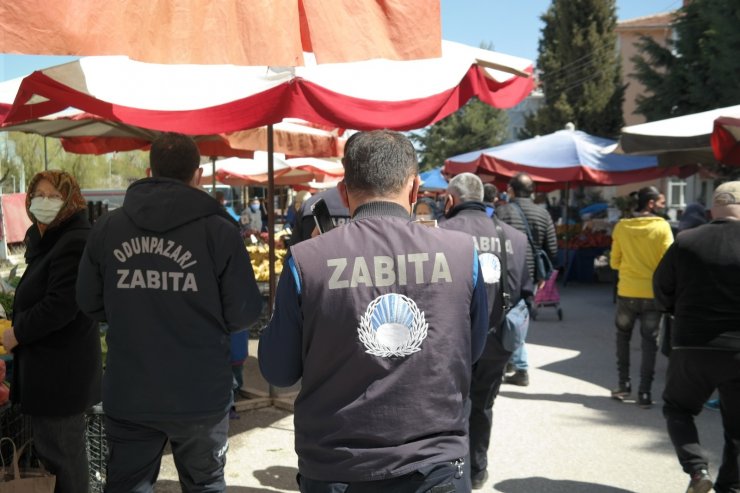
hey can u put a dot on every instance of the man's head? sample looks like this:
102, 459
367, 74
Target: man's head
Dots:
254, 204
649, 199
490, 192
465, 187
175, 156
521, 185
726, 201
379, 165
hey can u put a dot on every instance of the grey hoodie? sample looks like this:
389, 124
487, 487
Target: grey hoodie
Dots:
170, 274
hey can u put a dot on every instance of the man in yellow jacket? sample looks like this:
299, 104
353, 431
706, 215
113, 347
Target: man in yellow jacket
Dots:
638, 244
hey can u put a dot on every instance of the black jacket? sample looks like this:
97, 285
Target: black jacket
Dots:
698, 280
540, 225
170, 274
57, 367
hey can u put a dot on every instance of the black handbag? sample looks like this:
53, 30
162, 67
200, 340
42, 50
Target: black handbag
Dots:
515, 319
542, 264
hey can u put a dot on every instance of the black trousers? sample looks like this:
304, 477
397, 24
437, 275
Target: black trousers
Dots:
59, 442
488, 373
629, 311
446, 477
693, 374
135, 453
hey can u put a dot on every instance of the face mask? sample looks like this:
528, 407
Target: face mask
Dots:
424, 217
254, 207
44, 209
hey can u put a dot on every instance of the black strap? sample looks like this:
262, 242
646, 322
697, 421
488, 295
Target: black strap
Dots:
505, 295
526, 226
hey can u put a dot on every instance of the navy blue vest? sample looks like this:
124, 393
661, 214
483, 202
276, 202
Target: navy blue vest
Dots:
386, 347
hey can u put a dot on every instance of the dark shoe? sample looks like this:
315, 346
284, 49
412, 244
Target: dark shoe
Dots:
622, 391
509, 368
480, 480
701, 482
644, 401
520, 377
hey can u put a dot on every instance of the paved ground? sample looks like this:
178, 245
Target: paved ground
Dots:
561, 434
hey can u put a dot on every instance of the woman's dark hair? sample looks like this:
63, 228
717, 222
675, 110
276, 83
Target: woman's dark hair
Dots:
645, 195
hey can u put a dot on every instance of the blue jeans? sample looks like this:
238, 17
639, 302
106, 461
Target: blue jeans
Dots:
629, 311
520, 358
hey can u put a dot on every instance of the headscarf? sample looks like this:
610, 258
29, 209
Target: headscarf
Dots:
693, 216
74, 202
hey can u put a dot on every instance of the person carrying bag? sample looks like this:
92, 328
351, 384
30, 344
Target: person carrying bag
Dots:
515, 322
32, 480
542, 264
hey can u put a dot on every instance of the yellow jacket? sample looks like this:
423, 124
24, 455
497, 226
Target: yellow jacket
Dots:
638, 244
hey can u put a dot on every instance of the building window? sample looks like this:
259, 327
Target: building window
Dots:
677, 194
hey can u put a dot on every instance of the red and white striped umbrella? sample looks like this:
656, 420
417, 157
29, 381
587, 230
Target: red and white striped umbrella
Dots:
726, 140
216, 99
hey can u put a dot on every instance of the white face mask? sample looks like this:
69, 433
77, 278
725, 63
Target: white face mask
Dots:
45, 209
424, 217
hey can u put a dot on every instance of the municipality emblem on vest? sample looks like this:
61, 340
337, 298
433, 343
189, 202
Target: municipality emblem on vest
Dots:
490, 266
392, 326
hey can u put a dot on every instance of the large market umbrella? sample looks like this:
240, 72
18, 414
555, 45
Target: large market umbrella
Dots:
676, 141
252, 32
565, 157
726, 140
432, 180
203, 100
286, 172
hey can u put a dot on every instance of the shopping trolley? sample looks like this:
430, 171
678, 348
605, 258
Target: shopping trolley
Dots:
548, 295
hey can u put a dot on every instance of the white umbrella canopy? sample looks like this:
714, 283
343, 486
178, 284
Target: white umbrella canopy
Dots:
675, 141
287, 172
202, 100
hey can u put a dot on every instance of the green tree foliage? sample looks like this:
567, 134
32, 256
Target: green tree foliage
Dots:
580, 70
697, 71
26, 152
474, 126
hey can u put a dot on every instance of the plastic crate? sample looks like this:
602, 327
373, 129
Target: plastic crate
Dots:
97, 449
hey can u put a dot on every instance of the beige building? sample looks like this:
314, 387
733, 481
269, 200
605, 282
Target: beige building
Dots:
679, 193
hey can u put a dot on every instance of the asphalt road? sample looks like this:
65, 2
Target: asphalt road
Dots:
562, 433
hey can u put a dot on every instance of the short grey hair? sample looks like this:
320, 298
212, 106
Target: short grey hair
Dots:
466, 187
379, 162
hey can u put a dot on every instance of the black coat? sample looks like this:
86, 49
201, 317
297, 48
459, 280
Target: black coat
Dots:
57, 363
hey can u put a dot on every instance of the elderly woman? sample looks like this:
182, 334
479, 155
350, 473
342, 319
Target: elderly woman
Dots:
57, 362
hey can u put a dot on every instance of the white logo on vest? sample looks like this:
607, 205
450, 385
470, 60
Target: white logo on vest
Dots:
392, 326
490, 265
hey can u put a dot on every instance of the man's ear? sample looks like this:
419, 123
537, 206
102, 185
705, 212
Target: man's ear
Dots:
343, 193
195, 181
414, 192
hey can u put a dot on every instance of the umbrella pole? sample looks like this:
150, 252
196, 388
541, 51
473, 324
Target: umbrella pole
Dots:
46, 157
567, 233
213, 176
271, 225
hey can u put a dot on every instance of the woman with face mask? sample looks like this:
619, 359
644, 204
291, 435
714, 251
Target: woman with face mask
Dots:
56, 349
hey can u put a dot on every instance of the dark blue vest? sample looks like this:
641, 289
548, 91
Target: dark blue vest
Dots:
386, 348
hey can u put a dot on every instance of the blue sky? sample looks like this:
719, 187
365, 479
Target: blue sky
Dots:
513, 26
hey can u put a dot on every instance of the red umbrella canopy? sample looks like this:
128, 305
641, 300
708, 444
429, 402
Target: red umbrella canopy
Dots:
202, 100
726, 140
239, 32
565, 156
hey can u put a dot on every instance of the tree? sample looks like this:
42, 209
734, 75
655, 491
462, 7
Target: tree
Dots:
579, 70
699, 69
474, 126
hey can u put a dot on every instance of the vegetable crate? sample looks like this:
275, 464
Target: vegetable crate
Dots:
97, 449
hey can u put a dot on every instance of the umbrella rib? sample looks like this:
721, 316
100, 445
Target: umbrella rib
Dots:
502, 68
